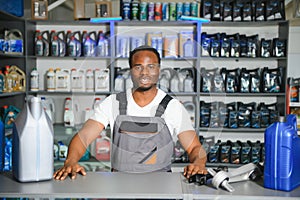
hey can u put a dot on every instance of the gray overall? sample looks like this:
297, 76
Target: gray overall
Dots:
141, 144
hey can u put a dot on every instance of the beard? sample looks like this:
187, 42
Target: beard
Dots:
144, 89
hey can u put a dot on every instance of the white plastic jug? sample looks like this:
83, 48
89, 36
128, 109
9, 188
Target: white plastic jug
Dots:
49, 107
33, 136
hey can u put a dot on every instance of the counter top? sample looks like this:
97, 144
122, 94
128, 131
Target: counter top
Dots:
128, 186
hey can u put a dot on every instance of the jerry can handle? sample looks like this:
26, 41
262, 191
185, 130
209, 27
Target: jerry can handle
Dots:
292, 120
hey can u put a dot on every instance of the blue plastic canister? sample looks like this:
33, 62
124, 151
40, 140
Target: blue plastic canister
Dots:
2, 145
282, 158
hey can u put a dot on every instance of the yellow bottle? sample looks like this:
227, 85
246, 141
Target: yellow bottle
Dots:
19, 80
8, 82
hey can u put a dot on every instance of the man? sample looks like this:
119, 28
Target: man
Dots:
139, 150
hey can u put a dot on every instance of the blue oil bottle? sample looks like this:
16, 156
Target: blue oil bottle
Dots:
282, 158
2, 145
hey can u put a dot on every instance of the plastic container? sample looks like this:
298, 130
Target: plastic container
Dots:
89, 80
2, 78
51, 86
14, 40
103, 147
71, 113
282, 147
10, 114
102, 81
18, 78
34, 80
2, 145
102, 45
49, 107
62, 80
77, 80
32, 156
8, 80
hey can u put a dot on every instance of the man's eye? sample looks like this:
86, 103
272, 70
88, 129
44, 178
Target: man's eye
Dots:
151, 66
138, 67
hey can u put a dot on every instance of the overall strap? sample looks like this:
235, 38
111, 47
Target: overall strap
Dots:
163, 105
122, 98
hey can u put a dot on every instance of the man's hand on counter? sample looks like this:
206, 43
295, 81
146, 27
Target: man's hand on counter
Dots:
193, 169
69, 169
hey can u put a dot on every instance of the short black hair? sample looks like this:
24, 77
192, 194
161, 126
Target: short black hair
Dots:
143, 48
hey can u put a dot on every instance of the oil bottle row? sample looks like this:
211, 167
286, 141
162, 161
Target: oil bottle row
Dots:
91, 44
74, 44
170, 79
237, 114
67, 80
241, 45
259, 80
233, 152
243, 10
157, 11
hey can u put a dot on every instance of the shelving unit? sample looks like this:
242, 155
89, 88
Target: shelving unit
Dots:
269, 29
10, 22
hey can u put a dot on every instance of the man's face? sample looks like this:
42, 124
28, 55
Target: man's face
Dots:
144, 70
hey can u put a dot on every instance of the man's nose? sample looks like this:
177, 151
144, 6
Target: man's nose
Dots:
145, 70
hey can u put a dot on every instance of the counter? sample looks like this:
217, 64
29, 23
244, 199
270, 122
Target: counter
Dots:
130, 186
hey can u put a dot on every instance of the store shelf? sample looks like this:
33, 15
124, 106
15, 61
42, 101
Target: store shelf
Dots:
11, 94
294, 104
233, 130
57, 93
243, 94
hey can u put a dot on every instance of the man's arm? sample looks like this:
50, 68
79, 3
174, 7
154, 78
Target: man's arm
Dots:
77, 147
197, 155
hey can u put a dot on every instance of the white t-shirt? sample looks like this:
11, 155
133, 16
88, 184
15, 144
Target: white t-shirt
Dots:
175, 115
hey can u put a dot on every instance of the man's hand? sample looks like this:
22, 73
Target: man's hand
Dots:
69, 169
193, 169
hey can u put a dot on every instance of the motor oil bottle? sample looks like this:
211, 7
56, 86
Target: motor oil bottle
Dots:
2, 145
73, 47
50, 82
191, 108
188, 84
164, 83
77, 80
89, 44
34, 80
41, 43
71, 110
55, 48
103, 147
62, 80
102, 81
102, 50
87, 114
174, 83
9, 115
19, 80
62, 151
49, 107
46, 42
32, 154
119, 83
14, 39
2, 78
89, 80
62, 44
8, 82
39, 46
282, 147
